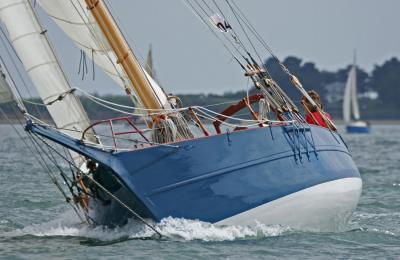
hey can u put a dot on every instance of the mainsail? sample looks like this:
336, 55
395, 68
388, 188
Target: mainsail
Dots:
34, 50
149, 67
79, 24
350, 103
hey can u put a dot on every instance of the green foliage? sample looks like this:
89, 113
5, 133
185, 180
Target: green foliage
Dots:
385, 79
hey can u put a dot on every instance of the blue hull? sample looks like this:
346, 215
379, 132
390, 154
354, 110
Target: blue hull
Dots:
216, 177
357, 130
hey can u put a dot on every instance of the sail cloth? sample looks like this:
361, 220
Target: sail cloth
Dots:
33, 48
149, 67
354, 100
5, 92
8, 91
350, 103
78, 23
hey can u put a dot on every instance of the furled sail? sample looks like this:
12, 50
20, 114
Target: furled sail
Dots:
78, 23
33, 48
350, 103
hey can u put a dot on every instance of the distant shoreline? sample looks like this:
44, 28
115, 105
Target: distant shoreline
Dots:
375, 122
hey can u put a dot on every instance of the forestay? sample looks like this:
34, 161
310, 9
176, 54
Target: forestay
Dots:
33, 48
76, 21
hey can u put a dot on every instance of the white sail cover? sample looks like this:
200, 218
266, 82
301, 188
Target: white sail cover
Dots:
40, 62
350, 102
76, 21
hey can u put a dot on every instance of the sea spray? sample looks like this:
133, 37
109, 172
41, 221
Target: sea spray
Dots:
68, 225
197, 230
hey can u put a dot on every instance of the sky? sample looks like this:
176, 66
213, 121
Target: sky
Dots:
189, 59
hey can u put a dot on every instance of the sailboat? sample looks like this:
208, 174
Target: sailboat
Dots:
270, 166
350, 104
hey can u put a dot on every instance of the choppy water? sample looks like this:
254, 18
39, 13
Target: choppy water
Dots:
35, 223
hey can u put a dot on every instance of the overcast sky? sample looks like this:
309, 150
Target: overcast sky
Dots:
188, 59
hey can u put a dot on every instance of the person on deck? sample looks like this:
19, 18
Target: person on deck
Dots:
313, 114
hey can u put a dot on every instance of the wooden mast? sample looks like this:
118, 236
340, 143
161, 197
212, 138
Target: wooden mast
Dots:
124, 54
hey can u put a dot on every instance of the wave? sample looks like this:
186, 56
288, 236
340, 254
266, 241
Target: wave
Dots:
68, 225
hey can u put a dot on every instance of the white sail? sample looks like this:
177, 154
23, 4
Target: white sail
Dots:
34, 50
77, 22
6, 94
354, 100
350, 96
149, 67
8, 91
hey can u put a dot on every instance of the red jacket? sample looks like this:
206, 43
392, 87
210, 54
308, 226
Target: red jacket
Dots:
318, 117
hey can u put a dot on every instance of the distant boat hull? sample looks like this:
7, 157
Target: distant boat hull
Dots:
358, 127
301, 177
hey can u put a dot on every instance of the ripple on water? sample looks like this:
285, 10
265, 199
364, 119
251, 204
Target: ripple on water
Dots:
28, 197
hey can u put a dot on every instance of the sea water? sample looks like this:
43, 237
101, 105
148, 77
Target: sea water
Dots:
36, 223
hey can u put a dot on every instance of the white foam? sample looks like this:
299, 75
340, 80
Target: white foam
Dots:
366, 216
198, 230
386, 232
173, 228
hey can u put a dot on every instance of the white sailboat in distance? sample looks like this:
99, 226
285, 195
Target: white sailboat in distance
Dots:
351, 111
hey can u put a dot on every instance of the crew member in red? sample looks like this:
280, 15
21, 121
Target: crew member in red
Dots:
313, 116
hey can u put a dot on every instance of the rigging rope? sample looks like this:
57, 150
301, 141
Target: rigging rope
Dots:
190, 6
39, 157
11, 57
73, 109
82, 65
99, 101
81, 9
55, 181
239, 15
134, 55
245, 33
152, 227
234, 35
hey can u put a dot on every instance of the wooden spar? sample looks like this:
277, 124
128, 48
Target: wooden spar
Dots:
231, 110
248, 104
198, 121
124, 54
309, 112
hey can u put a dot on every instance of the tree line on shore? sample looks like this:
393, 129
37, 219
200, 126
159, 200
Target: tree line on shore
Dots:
384, 81
383, 85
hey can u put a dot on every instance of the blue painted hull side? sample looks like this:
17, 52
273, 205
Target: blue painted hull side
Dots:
357, 130
214, 178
